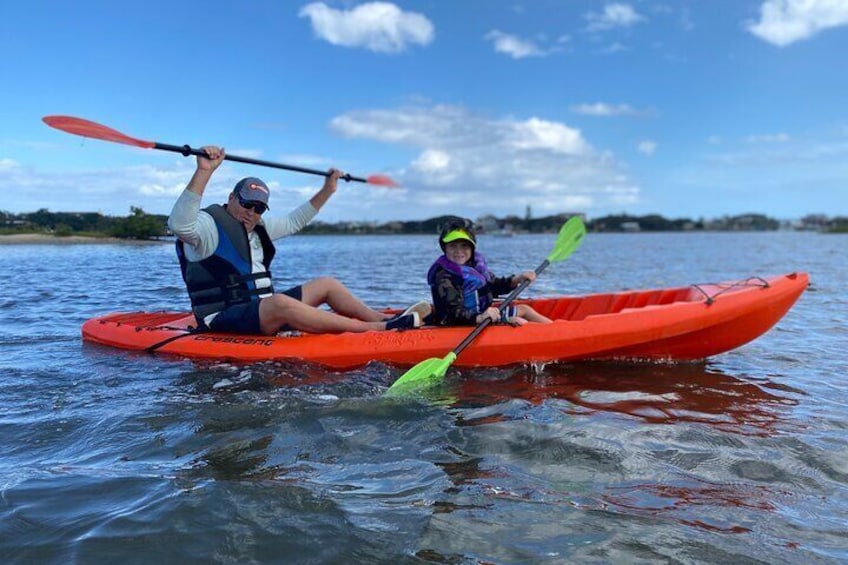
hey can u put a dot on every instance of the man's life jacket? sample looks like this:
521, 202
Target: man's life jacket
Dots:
225, 277
474, 279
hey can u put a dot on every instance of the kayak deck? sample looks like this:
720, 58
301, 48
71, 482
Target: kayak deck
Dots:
673, 324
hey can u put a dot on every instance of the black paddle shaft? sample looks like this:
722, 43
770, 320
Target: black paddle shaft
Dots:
506, 302
186, 150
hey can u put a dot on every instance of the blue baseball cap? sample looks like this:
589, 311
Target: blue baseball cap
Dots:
252, 188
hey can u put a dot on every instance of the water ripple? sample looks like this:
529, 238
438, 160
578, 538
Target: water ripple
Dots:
113, 455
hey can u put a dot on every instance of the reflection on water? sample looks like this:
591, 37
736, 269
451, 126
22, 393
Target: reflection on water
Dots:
508, 453
688, 503
655, 393
239, 434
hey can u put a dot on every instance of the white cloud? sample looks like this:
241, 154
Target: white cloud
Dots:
540, 134
432, 160
391, 126
783, 22
381, 27
768, 138
448, 159
606, 110
513, 46
789, 179
153, 181
111, 191
614, 15
436, 164
306, 160
8, 165
614, 48
471, 164
244, 152
647, 147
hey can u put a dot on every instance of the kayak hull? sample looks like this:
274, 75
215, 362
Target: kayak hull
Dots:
674, 324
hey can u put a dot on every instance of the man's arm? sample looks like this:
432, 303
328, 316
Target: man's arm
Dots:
291, 223
193, 226
331, 182
187, 222
297, 219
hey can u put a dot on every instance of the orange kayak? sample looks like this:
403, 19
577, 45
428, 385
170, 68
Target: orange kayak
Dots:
671, 324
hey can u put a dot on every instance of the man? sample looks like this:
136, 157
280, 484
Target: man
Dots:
225, 255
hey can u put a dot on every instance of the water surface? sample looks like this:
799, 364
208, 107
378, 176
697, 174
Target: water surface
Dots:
120, 457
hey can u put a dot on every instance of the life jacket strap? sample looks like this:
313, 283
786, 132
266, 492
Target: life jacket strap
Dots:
234, 291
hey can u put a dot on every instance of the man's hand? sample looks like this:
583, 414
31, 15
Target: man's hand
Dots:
205, 167
214, 157
330, 185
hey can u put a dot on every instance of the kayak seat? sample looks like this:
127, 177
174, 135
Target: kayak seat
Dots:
592, 306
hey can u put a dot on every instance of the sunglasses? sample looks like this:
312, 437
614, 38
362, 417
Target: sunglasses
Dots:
255, 205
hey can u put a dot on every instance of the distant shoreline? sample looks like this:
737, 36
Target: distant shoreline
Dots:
47, 239
41, 238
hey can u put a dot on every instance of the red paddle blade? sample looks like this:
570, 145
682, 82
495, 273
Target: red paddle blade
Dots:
85, 128
382, 180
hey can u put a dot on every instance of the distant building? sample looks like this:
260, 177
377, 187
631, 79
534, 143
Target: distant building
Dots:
814, 222
487, 223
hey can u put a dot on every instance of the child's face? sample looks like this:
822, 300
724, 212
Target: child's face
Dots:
459, 251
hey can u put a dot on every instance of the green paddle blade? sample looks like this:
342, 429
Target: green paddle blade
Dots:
569, 238
421, 375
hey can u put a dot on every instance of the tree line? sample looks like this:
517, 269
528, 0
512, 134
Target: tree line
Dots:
141, 225
137, 225
623, 223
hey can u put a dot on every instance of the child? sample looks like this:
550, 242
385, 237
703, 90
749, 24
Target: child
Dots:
463, 287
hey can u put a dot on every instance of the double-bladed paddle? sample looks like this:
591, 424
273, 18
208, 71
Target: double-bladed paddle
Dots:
430, 371
86, 128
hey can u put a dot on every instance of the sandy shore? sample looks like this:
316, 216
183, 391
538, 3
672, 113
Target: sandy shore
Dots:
40, 238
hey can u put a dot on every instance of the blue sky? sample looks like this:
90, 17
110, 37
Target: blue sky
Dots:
685, 109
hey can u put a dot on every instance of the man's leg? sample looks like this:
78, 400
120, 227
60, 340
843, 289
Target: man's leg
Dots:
278, 310
327, 290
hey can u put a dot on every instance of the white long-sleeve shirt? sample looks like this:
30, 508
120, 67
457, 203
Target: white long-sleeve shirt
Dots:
196, 228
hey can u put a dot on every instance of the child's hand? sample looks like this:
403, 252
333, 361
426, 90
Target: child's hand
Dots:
525, 276
491, 313
516, 321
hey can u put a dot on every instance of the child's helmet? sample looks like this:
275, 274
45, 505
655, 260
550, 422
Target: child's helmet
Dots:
456, 228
